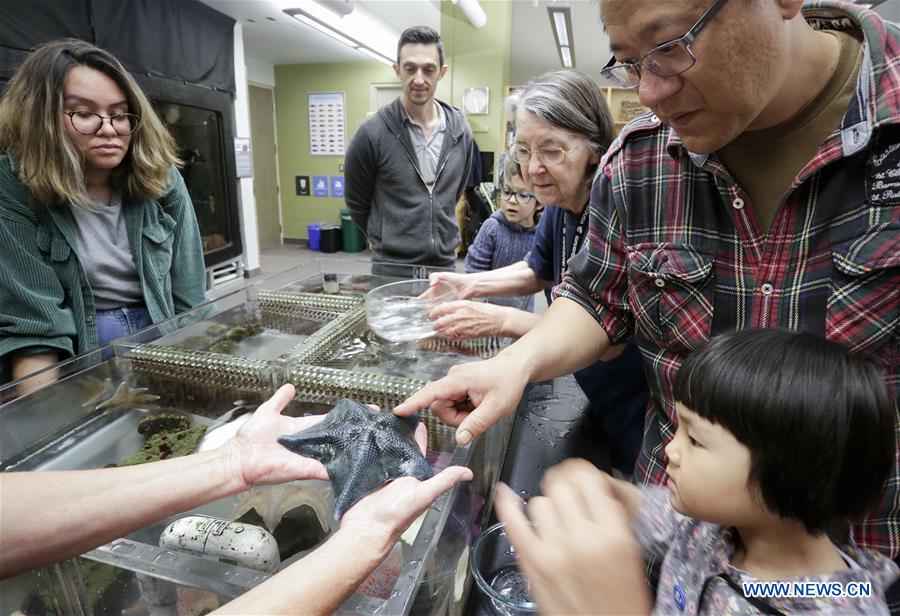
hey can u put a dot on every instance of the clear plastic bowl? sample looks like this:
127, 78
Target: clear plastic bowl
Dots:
496, 571
398, 312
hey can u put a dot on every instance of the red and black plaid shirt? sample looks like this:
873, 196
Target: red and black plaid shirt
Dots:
675, 256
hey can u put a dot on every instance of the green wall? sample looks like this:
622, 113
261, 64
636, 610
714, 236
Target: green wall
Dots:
476, 57
292, 84
479, 57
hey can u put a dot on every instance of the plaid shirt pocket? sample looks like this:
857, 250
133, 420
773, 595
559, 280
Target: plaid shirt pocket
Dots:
862, 311
671, 290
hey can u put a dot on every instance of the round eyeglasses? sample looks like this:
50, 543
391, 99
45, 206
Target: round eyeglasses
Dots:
555, 155
666, 60
89, 123
520, 197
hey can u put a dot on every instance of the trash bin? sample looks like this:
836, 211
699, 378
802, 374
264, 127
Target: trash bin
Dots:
330, 238
314, 234
353, 239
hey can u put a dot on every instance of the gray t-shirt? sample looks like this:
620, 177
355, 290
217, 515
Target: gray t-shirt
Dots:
105, 255
428, 150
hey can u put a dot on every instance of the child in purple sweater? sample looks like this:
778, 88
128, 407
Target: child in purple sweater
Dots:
506, 237
783, 438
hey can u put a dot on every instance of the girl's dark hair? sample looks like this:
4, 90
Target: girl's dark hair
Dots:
817, 421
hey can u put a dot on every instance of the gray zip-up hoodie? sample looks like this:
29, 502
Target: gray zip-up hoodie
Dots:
387, 198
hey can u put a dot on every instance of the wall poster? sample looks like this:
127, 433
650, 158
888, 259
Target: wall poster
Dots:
326, 123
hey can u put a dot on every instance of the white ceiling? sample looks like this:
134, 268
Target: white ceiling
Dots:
534, 49
276, 38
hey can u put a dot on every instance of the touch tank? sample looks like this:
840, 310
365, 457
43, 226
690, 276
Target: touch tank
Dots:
201, 368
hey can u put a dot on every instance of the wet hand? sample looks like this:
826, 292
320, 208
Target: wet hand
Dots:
466, 319
380, 517
575, 544
463, 284
257, 455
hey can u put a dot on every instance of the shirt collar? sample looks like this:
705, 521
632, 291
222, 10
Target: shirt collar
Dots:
407, 120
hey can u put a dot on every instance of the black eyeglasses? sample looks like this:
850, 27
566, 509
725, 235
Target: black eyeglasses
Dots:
667, 60
522, 197
89, 123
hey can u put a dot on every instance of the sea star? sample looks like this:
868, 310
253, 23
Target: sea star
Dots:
96, 390
361, 450
126, 397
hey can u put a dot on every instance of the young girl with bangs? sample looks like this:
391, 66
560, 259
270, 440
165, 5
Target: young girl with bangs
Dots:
98, 236
783, 440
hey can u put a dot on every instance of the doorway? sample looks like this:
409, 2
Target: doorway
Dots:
265, 179
380, 94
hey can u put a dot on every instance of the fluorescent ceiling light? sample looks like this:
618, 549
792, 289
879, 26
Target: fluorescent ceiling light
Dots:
361, 26
559, 22
312, 23
473, 12
375, 55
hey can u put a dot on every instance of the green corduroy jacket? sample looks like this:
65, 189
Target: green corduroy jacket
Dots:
45, 299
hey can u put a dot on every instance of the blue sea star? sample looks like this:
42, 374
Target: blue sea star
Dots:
361, 450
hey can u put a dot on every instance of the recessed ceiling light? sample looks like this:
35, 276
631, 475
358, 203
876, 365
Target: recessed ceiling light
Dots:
270, 18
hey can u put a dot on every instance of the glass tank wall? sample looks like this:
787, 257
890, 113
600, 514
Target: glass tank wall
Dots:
193, 373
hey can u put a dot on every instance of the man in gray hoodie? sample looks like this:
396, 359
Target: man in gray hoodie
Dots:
407, 165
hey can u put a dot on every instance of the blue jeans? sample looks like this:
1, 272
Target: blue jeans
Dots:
120, 322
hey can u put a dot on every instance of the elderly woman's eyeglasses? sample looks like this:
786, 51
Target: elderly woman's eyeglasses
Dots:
522, 197
555, 155
667, 60
89, 123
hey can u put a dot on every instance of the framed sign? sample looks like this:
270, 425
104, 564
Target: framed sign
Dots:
326, 123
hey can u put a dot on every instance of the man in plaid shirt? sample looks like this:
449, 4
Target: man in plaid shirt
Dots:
763, 191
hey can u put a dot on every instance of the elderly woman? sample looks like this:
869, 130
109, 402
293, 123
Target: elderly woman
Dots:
98, 237
563, 127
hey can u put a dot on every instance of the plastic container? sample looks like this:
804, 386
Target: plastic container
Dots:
314, 233
353, 239
330, 240
398, 312
496, 572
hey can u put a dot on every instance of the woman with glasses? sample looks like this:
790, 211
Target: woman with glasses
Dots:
98, 236
508, 235
563, 127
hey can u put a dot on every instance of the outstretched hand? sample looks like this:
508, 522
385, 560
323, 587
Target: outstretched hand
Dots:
257, 455
473, 396
575, 544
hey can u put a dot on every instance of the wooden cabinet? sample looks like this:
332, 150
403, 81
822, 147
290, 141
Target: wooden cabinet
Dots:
623, 104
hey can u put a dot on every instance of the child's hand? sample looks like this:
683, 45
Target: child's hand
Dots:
575, 546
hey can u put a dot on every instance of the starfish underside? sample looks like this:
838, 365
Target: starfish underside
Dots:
272, 502
361, 450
